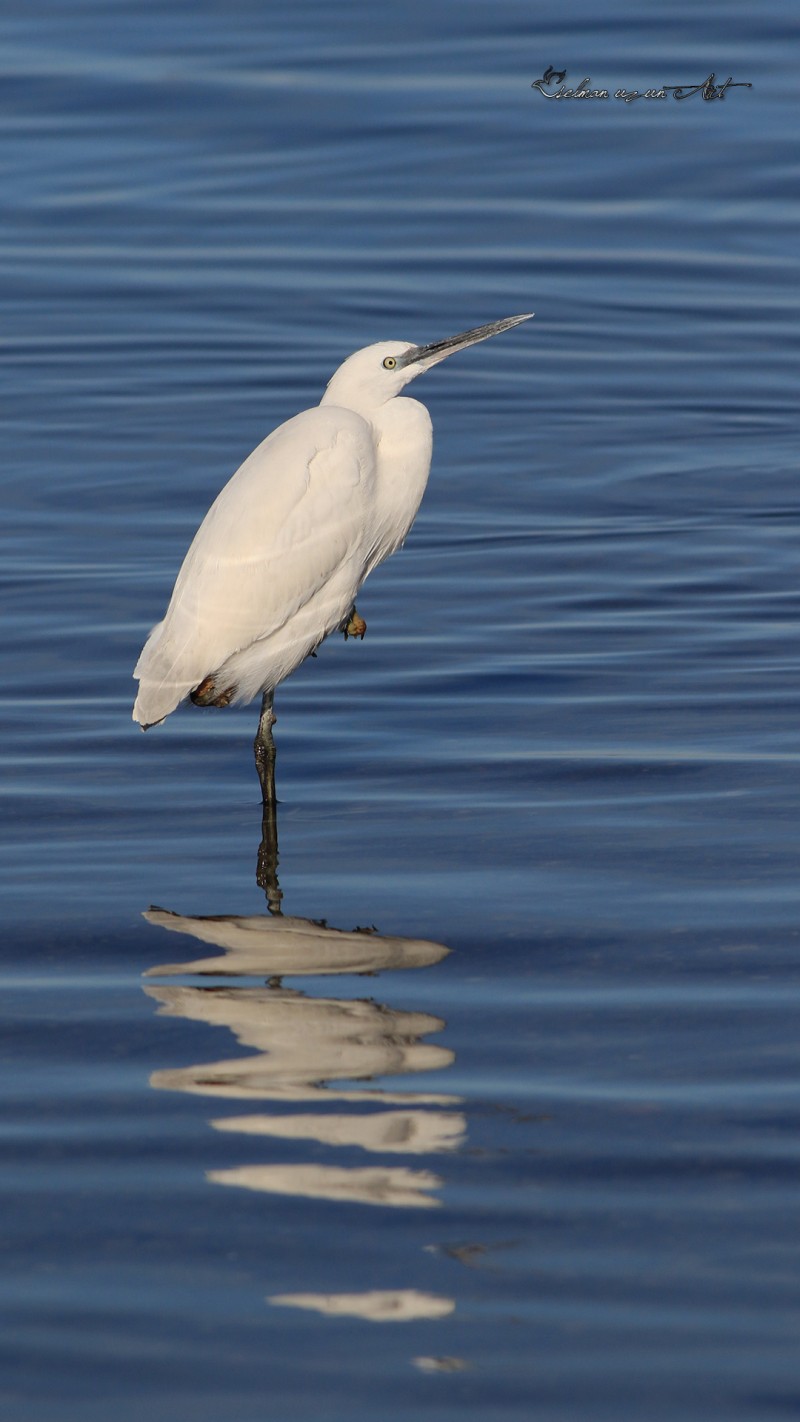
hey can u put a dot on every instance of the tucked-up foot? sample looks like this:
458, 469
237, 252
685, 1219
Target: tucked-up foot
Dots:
207, 694
353, 625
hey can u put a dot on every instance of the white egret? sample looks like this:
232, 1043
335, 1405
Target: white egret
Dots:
279, 558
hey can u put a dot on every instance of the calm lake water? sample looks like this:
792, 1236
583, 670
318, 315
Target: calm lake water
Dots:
530, 1146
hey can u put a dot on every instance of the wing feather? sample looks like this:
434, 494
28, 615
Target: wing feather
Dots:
288, 519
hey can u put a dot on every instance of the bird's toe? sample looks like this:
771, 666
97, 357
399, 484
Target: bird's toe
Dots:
207, 694
353, 626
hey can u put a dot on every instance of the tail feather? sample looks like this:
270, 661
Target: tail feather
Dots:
160, 691
156, 700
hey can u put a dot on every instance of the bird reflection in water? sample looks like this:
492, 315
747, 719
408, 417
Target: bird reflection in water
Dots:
306, 1050
377, 1305
301, 1045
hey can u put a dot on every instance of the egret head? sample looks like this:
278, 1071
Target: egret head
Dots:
378, 373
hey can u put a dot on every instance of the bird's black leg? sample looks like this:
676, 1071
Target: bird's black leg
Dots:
264, 749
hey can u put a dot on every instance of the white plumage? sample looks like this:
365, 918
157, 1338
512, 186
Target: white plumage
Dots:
278, 560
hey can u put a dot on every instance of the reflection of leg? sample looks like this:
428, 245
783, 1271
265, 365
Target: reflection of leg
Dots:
264, 748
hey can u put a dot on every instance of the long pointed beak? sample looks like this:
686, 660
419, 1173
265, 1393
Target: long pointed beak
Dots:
438, 350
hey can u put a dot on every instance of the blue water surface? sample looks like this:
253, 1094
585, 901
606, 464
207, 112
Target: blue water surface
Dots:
525, 1146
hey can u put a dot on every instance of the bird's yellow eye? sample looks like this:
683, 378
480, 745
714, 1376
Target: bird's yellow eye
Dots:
389, 363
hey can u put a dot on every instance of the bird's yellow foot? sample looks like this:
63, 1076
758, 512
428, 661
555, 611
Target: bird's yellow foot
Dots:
206, 694
353, 626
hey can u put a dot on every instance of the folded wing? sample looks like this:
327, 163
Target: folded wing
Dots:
296, 511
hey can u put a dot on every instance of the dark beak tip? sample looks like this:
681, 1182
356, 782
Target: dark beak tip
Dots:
440, 349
